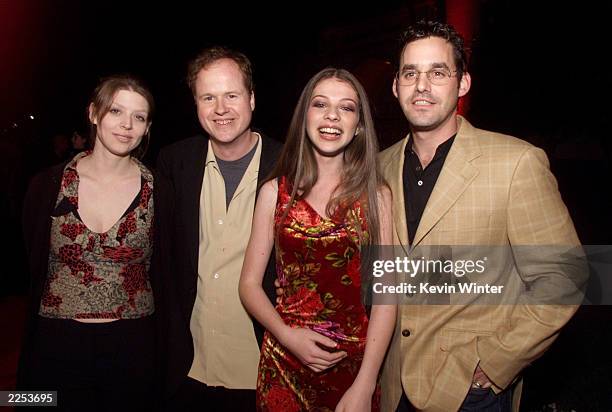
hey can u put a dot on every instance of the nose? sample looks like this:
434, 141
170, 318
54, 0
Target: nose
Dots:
220, 107
126, 122
422, 83
332, 114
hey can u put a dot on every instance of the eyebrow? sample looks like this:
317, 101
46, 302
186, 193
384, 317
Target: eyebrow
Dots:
436, 65
123, 107
325, 97
223, 94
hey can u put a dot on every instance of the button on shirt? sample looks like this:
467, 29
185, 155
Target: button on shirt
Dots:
419, 182
225, 348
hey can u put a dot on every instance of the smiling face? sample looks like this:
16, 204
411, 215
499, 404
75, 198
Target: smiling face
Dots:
430, 107
121, 129
333, 116
224, 104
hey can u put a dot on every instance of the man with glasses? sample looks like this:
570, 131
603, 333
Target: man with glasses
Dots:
454, 184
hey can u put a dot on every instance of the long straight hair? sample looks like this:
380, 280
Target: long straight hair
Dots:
360, 177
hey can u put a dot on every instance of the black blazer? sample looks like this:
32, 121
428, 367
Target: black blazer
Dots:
37, 208
178, 183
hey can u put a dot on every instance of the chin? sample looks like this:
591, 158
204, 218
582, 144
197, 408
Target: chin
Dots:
329, 152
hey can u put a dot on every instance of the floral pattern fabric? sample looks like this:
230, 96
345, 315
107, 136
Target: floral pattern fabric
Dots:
99, 275
318, 264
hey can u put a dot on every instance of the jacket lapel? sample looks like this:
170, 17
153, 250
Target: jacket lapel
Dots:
456, 175
394, 174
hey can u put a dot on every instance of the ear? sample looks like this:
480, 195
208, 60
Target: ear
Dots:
394, 87
465, 84
357, 130
252, 101
148, 127
91, 116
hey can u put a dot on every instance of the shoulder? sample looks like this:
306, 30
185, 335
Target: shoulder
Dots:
48, 176
493, 143
269, 144
392, 153
183, 146
269, 189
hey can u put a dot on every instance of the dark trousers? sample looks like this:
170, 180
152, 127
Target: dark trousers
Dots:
196, 396
485, 400
477, 400
94, 366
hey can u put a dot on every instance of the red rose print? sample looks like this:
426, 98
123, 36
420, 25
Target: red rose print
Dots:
128, 225
281, 399
72, 230
122, 253
134, 280
70, 176
145, 195
306, 301
70, 254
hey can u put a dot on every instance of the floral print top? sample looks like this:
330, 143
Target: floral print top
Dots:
99, 275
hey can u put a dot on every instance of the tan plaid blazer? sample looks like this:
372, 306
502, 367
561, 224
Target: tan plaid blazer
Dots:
493, 190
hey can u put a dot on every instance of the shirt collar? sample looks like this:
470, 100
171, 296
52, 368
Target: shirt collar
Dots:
441, 151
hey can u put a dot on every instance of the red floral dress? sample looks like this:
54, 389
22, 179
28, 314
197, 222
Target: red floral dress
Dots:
318, 264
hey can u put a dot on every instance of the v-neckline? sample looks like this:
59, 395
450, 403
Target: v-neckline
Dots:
324, 218
121, 217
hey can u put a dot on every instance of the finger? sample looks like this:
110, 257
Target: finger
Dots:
334, 363
321, 364
327, 357
277, 283
315, 368
479, 376
278, 300
324, 340
338, 356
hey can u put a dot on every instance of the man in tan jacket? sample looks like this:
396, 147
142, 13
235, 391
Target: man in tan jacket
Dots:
454, 184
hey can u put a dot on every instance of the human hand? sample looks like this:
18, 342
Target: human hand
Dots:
305, 345
279, 290
357, 398
480, 380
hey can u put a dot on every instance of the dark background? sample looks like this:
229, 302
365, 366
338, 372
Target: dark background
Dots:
540, 71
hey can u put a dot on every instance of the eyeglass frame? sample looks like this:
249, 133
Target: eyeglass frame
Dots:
427, 74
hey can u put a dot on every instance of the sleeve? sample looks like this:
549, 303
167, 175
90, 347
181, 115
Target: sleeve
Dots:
161, 261
548, 258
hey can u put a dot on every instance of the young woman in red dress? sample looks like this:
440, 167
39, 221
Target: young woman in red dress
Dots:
326, 201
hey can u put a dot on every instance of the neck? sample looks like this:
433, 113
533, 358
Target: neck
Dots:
425, 142
102, 163
235, 149
329, 168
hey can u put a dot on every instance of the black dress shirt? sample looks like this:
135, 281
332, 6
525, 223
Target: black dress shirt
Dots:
419, 183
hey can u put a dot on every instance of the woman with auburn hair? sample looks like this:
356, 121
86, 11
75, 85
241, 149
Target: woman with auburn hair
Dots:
88, 228
325, 202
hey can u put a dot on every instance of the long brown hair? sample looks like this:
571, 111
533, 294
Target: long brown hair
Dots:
360, 178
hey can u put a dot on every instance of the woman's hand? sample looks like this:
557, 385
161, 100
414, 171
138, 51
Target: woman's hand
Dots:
357, 398
306, 344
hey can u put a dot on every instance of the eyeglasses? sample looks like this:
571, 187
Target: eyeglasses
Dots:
437, 77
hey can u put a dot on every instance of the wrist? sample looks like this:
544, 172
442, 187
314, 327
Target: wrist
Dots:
365, 384
283, 334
